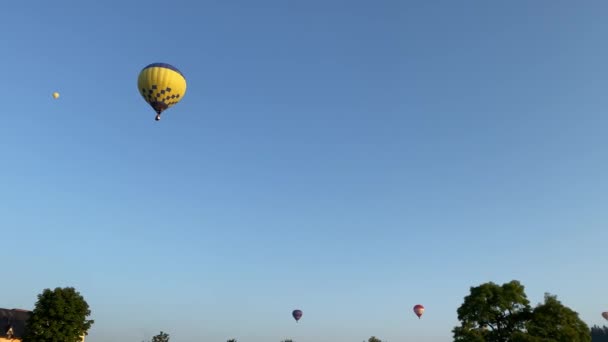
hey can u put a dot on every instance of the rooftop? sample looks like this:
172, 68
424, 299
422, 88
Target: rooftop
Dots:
12, 321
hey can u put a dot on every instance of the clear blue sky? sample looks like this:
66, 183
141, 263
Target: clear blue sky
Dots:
348, 158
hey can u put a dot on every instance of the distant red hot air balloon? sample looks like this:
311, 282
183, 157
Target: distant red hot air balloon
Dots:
418, 310
605, 314
297, 314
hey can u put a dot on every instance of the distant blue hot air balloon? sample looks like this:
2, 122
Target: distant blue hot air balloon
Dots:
297, 314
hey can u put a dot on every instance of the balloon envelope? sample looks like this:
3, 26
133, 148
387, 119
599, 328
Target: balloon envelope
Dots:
162, 86
55, 95
418, 310
605, 314
297, 314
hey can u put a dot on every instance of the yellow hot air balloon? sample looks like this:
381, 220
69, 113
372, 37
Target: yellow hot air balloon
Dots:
55, 95
162, 86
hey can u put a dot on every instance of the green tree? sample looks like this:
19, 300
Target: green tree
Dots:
60, 315
374, 339
288, 340
492, 313
161, 337
232, 340
599, 334
552, 321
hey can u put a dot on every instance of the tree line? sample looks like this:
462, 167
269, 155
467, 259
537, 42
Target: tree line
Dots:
489, 313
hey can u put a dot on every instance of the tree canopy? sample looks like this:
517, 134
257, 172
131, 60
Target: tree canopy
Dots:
60, 315
599, 334
552, 321
161, 337
502, 313
492, 312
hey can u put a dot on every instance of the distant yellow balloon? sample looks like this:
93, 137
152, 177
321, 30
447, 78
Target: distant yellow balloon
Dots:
55, 95
162, 86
